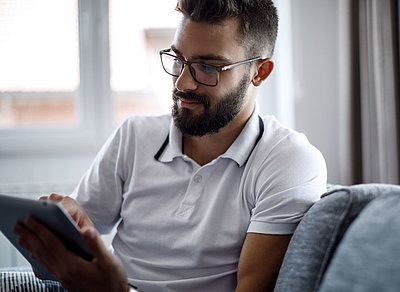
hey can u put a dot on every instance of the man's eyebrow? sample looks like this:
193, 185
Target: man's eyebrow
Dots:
176, 51
208, 57
212, 57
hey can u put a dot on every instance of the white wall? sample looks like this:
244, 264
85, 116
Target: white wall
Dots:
309, 89
319, 53
276, 95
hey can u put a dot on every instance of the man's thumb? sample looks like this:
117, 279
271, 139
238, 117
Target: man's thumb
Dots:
94, 242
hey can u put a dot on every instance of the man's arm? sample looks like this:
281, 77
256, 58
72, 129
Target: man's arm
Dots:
260, 261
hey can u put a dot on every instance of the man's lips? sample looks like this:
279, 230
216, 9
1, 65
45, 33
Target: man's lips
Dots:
189, 104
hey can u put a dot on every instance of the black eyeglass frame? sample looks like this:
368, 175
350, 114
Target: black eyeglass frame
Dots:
217, 68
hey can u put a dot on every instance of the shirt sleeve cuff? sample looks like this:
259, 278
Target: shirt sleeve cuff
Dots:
271, 228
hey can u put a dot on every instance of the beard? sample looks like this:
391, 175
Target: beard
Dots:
215, 116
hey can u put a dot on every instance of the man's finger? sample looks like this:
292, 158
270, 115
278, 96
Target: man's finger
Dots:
29, 240
48, 249
95, 243
53, 197
25, 244
48, 239
23, 232
56, 197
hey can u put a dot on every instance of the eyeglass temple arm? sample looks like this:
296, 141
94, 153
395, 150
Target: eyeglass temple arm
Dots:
228, 67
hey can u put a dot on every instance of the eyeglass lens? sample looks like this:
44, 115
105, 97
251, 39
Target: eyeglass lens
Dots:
201, 73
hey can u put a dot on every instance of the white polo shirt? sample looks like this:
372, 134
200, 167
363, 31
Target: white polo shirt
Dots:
181, 226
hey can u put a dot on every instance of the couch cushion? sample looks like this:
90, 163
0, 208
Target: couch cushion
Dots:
368, 258
318, 234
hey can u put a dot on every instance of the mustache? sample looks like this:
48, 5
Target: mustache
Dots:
190, 96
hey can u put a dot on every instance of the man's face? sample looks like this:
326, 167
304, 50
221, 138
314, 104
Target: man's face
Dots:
200, 109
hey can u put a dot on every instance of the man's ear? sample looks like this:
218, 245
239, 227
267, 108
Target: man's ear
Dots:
263, 70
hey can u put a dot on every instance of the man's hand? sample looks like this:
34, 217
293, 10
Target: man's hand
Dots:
104, 273
73, 208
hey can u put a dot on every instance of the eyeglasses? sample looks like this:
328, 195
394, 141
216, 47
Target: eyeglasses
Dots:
202, 73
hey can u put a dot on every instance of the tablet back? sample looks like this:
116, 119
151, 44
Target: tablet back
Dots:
50, 214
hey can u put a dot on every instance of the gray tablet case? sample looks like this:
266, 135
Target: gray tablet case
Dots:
52, 215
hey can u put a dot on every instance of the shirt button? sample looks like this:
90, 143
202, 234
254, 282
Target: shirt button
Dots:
197, 178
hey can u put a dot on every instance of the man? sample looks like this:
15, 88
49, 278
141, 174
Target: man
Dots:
206, 200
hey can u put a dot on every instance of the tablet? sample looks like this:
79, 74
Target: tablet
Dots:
50, 214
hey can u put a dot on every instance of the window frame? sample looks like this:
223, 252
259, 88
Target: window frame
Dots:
93, 97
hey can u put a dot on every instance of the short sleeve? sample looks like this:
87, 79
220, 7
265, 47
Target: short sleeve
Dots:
290, 178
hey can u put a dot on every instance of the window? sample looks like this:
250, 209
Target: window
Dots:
137, 33
72, 70
39, 72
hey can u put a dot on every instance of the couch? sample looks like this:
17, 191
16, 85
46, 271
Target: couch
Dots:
347, 241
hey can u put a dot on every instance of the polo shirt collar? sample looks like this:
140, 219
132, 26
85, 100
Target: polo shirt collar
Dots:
244, 144
172, 146
239, 151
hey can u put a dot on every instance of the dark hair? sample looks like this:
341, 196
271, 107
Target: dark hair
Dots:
258, 20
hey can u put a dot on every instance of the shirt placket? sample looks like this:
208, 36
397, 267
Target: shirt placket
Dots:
192, 195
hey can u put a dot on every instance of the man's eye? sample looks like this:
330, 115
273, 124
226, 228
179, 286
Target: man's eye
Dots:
206, 68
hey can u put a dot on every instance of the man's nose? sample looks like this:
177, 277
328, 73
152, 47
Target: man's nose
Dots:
185, 81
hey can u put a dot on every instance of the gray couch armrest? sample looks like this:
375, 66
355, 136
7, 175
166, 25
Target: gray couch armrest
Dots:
318, 234
368, 258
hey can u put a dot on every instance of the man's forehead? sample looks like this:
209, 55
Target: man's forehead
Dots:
204, 41
204, 56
